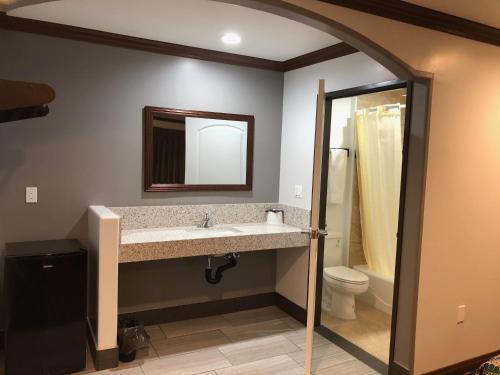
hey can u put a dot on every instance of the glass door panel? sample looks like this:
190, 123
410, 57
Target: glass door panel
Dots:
362, 156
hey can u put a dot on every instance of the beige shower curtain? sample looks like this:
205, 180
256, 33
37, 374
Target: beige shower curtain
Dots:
379, 161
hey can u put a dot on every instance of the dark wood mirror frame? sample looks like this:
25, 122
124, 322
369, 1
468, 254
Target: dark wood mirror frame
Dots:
150, 113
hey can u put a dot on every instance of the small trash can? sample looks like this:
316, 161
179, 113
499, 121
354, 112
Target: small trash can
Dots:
131, 337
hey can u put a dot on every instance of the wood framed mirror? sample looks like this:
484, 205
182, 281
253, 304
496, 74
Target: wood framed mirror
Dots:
187, 150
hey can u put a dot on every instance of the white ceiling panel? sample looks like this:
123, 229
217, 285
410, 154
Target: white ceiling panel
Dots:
197, 23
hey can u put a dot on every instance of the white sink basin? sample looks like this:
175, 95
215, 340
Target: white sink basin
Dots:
212, 232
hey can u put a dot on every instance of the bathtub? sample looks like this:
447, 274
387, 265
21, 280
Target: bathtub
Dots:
379, 294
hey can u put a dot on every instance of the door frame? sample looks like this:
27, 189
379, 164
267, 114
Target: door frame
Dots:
329, 97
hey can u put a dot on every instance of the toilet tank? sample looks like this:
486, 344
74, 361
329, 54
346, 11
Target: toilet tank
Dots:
333, 253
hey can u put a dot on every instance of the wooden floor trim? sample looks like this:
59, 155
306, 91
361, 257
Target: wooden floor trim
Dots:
103, 359
466, 366
291, 308
203, 309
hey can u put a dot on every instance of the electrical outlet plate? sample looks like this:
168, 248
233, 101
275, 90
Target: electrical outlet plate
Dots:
298, 191
31, 194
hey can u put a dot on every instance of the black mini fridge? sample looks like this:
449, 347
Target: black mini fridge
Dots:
45, 291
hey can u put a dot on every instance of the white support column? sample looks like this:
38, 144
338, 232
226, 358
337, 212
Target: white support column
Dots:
104, 242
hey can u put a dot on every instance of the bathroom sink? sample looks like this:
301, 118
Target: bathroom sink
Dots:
212, 232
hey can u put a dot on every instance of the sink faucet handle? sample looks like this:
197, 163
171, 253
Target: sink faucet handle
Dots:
205, 223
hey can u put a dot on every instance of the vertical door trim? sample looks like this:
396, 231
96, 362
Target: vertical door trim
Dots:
315, 206
322, 203
401, 217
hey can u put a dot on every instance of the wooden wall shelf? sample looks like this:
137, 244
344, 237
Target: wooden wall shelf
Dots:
23, 100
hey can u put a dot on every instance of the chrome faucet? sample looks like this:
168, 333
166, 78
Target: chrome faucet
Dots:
205, 223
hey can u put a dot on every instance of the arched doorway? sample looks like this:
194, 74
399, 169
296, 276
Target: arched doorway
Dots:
403, 336
408, 247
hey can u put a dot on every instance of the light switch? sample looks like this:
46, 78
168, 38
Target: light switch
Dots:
298, 191
31, 194
461, 314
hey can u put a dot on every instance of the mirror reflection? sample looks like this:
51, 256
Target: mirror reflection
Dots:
188, 150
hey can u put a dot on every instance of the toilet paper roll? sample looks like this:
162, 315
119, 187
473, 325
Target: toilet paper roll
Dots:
274, 216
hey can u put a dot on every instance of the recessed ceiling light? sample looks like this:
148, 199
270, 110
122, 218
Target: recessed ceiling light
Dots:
231, 38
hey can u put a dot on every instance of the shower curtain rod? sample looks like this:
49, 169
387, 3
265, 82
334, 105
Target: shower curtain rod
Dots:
386, 107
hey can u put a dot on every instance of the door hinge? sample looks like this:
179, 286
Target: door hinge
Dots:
314, 234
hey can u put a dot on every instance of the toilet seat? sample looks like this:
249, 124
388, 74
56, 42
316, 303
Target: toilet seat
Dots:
344, 284
345, 275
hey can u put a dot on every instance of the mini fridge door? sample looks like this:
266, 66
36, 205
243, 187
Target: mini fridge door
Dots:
46, 302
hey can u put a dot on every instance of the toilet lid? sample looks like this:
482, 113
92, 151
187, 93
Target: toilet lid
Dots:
346, 274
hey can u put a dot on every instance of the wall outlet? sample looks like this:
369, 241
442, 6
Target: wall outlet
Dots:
31, 194
298, 191
460, 314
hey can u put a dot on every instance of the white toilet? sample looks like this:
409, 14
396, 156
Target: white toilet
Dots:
340, 284
343, 284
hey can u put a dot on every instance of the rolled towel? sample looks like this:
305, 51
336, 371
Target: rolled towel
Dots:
337, 170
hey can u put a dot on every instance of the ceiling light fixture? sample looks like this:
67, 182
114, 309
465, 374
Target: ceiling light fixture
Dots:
231, 38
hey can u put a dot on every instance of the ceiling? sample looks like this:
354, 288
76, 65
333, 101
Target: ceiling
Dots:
196, 23
482, 11
201, 23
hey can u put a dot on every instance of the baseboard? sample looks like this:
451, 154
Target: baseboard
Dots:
203, 309
291, 308
225, 306
464, 366
395, 369
103, 359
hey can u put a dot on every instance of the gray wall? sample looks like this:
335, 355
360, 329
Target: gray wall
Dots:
88, 150
176, 282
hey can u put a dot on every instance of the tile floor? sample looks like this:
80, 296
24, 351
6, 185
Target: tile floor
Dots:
371, 331
264, 341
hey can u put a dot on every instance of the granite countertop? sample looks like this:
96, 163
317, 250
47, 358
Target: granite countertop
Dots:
145, 244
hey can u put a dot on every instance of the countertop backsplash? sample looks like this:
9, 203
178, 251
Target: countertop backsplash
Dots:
188, 215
